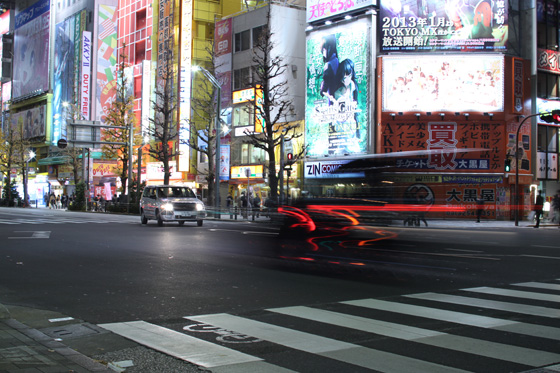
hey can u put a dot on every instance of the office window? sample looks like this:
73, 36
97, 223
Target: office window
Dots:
252, 155
243, 116
547, 139
256, 34
241, 78
242, 41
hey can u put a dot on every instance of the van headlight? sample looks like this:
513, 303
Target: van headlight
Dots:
167, 207
199, 207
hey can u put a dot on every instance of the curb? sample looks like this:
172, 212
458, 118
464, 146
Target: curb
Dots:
4, 313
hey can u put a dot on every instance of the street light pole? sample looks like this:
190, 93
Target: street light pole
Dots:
218, 87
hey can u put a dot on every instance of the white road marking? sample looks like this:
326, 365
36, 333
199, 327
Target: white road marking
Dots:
460, 318
515, 293
539, 285
490, 304
479, 347
179, 345
331, 348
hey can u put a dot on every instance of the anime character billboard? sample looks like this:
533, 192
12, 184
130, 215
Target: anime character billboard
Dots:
31, 50
31, 121
439, 25
336, 110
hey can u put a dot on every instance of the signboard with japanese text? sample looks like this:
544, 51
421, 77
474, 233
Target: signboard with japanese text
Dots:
185, 82
156, 171
547, 166
337, 96
321, 9
518, 81
453, 83
223, 57
548, 60
443, 142
31, 49
440, 25
523, 147
240, 172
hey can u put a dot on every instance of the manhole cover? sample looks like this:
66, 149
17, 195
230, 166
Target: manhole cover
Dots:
72, 331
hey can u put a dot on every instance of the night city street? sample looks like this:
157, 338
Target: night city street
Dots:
437, 298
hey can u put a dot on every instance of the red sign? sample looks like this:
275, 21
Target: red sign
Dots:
548, 60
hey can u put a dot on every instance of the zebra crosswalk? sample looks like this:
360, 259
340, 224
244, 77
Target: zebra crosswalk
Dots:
60, 220
513, 328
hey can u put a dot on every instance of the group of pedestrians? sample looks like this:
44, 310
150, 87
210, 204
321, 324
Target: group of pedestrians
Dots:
249, 205
554, 208
56, 201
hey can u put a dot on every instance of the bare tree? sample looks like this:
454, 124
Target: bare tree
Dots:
9, 139
72, 154
275, 107
163, 126
121, 116
204, 134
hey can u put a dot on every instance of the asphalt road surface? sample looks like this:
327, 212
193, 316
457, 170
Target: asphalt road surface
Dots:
234, 296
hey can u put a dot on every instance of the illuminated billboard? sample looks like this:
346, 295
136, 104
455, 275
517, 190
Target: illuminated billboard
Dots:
67, 54
440, 25
443, 83
185, 83
321, 9
336, 110
31, 50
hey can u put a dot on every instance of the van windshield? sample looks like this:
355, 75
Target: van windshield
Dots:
179, 192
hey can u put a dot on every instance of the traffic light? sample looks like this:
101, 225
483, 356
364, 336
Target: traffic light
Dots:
551, 117
507, 166
290, 157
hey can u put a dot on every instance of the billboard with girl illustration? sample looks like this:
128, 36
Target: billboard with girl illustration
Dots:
336, 111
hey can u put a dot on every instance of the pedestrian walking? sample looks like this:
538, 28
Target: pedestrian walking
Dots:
479, 207
229, 203
538, 208
52, 201
256, 206
556, 208
244, 203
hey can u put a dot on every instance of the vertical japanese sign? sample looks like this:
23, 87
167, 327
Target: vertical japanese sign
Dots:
336, 110
517, 86
146, 95
185, 84
106, 60
86, 74
31, 49
223, 58
442, 142
439, 25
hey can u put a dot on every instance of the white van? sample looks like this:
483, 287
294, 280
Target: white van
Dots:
167, 203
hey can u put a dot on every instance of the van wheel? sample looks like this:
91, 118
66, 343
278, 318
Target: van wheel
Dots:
159, 219
199, 223
143, 218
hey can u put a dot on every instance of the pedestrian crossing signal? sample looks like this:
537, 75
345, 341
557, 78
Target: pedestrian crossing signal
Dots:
507, 166
551, 117
290, 156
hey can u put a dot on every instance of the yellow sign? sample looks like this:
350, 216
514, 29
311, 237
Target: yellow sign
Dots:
243, 95
254, 172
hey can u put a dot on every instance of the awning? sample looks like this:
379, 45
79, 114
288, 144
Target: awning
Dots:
53, 160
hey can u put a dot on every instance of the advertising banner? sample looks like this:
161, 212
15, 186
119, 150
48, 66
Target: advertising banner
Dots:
336, 110
326, 169
185, 82
224, 162
223, 58
547, 166
321, 9
31, 49
442, 25
86, 74
548, 60
453, 83
443, 142
156, 171
33, 121
106, 59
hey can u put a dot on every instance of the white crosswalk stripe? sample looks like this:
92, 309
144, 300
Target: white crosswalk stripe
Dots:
368, 317
22, 221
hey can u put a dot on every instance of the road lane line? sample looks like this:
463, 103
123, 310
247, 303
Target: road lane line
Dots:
519, 355
515, 293
489, 304
539, 285
179, 345
541, 256
331, 348
533, 330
